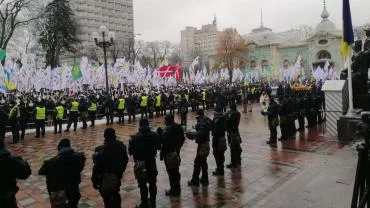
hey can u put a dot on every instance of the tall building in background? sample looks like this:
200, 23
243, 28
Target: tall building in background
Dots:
202, 43
116, 15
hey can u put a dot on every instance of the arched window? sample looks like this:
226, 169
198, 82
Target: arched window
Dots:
286, 64
253, 64
265, 64
323, 55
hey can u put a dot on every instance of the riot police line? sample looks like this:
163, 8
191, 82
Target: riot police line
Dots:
63, 172
62, 183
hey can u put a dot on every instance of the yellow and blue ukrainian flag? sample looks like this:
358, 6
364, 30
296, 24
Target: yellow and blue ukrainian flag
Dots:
348, 37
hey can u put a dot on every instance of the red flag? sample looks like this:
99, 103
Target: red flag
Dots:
178, 72
165, 71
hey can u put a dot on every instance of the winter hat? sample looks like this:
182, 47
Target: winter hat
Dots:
64, 143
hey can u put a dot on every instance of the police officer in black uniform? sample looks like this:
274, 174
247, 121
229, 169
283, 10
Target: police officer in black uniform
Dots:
143, 147
219, 141
273, 119
83, 108
110, 161
131, 107
12, 169
14, 116
109, 108
183, 106
172, 141
301, 111
203, 128
63, 172
23, 119
3, 121
233, 136
284, 122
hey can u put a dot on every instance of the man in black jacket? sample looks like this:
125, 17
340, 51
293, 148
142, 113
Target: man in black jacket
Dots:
12, 168
109, 110
110, 161
3, 121
131, 106
273, 119
63, 173
143, 147
83, 108
203, 127
23, 119
172, 140
219, 141
234, 139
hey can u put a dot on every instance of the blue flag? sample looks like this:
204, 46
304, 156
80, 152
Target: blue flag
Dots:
348, 37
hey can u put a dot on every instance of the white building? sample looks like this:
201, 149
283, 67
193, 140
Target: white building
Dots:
202, 43
116, 15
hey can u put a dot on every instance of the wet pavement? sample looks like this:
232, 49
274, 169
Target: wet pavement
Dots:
311, 171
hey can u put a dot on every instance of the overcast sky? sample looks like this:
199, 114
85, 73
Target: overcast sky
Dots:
164, 19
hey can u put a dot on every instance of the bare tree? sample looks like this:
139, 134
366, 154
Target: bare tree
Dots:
305, 31
360, 31
153, 53
175, 56
230, 48
13, 14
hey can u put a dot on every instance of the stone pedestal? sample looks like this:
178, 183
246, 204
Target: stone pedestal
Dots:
348, 128
336, 104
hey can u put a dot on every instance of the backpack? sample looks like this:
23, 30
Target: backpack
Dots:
110, 183
58, 199
172, 160
140, 171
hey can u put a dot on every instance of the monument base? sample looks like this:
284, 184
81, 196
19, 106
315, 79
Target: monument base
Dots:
348, 128
362, 102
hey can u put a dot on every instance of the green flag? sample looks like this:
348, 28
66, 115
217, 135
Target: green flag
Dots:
76, 71
2, 54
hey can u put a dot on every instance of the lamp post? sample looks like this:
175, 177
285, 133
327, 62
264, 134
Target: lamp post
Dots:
106, 42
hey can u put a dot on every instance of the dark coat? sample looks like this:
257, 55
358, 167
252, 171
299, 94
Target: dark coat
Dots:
203, 127
12, 168
172, 139
63, 172
144, 146
109, 158
219, 128
232, 121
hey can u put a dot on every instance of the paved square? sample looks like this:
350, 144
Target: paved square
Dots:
310, 171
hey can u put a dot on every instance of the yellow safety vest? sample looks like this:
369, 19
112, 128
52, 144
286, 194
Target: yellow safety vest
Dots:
121, 104
92, 107
158, 101
144, 101
203, 96
74, 107
40, 113
60, 112
14, 110
187, 97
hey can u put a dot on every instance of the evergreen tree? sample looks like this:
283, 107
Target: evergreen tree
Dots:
58, 31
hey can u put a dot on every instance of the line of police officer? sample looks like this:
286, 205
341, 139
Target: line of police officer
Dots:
291, 105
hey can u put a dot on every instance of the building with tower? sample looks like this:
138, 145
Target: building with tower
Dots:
200, 42
280, 50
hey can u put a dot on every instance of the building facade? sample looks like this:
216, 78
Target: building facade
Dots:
280, 50
202, 43
116, 15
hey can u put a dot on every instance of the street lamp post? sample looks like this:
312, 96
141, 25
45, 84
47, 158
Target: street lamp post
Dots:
104, 44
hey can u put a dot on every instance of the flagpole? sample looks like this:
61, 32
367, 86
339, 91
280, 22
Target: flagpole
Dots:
351, 110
